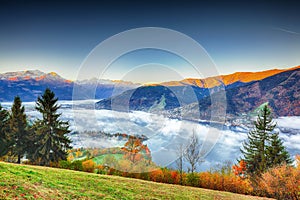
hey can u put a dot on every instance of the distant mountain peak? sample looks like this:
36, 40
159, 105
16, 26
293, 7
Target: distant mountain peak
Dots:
53, 74
36, 75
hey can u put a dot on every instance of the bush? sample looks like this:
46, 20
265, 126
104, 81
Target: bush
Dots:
193, 179
76, 165
282, 182
65, 164
88, 166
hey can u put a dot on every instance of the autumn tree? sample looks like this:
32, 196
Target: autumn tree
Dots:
132, 148
4, 128
281, 182
240, 169
18, 130
50, 133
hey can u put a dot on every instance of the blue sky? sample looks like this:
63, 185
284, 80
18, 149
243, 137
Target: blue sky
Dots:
59, 35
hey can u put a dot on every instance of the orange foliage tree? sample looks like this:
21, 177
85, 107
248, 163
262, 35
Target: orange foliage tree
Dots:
240, 169
132, 149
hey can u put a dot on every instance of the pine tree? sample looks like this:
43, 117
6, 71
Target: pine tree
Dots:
51, 142
18, 134
4, 128
276, 152
254, 150
263, 146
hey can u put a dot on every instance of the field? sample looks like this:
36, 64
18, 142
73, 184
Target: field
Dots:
34, 182
99, 160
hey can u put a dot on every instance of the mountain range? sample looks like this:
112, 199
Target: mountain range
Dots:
32, 83
244, 92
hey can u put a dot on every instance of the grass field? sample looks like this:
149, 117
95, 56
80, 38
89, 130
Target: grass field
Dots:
34, 182
99, 159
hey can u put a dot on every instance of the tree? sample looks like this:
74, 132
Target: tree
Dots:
18, 136
276, 152
240, 169
179, 162
51, 142
263, 146
254, 150
4, 128
132, 148
192, 153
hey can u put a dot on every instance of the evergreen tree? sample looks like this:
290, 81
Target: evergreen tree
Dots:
254, 150
4, 128
276, 152
51, 142
18, 134
262, 148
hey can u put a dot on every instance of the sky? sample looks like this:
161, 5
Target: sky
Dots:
59, 36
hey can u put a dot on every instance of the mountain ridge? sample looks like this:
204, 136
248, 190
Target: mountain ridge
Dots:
30, 84
280, 90
244, 77
207, 82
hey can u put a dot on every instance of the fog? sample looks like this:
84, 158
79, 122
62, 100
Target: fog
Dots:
164, 134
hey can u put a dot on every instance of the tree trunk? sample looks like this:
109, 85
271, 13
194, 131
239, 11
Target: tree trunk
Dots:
19, 159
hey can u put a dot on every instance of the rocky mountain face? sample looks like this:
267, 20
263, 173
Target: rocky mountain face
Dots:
32, 83
280, 90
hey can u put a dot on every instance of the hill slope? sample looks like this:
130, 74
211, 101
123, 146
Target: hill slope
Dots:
19, 181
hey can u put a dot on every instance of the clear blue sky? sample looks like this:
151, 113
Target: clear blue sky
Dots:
238, 35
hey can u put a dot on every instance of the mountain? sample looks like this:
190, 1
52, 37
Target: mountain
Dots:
32, 83
243, 94
281, 91
153, 98
231, 79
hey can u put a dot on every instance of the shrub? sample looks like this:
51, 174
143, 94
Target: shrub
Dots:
193, 179
76, 165
88, 166
282, 182
65, 164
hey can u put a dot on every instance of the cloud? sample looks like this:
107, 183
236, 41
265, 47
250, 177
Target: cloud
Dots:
287, 31
164, 134
288, 122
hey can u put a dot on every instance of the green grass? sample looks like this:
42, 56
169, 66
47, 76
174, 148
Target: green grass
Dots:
33, 182
99, 159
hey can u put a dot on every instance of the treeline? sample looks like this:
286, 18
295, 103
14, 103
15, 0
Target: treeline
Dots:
42, 142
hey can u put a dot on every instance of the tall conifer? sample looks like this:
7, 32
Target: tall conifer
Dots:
50, 132
18, 132
263, 148
4, 128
